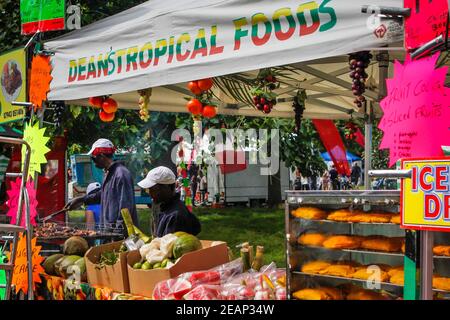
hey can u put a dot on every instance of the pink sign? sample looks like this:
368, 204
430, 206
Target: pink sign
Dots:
427, 21
416, 118
13, 202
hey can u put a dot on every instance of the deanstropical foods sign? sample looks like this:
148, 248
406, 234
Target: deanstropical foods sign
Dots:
426, 196
42, 15
166, 42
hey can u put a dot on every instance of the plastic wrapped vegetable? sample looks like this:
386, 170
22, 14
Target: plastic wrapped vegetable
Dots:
229, 270
203, 292
146, 248
166, 244
171, 289
202, 277
155, 256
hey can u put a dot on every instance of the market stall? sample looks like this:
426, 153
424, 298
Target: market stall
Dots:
163, 46
221, 45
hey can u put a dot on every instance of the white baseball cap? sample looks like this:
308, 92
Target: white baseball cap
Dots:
103, 146
159, 175
92, 186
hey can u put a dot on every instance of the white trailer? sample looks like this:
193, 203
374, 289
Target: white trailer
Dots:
246, 186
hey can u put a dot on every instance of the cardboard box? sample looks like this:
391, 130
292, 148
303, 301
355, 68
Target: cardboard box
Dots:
142, 282
113, 277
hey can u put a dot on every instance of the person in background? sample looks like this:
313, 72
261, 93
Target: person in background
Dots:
117, 191
305, 184
93, 211
180, 188
313, 181
334, 177
174, 215
203, 187
298, 180
355, 174
69, 175
326, 181
194, 187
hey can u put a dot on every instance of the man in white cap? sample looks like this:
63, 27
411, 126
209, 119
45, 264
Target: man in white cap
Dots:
174, 215
117, 191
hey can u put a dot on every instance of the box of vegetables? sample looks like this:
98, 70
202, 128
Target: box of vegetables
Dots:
169, 256
106, 266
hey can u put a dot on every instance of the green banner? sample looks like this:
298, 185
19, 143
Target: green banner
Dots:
42, 15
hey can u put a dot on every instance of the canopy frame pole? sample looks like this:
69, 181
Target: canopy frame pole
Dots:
325, 76
383, 65
368, 146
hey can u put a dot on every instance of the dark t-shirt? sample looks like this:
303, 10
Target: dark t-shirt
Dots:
175, 216
333, 174
356, 172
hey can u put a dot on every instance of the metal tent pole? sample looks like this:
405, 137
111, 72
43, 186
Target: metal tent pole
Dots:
368, 147
426, 265
383, 65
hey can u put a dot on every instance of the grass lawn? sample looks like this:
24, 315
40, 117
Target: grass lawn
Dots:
234, 225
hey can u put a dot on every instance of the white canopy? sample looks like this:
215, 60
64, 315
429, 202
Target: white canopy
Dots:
165, 44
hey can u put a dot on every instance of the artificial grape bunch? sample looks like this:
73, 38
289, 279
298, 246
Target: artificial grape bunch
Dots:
263, 97
58, 113
350, 131
299, 108
263, 103
359, 62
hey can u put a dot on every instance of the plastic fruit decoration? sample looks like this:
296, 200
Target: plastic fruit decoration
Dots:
195, 107
96, 102
106, 117
358, 63
144, 101
264, 99
110, 105
209, 111
205, 84
194, 88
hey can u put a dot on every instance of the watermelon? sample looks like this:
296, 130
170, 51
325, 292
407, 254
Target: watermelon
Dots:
184, 244
49, 263
180, 233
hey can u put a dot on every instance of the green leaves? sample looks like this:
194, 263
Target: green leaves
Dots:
76, 111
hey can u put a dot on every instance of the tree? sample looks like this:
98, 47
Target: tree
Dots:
91, 11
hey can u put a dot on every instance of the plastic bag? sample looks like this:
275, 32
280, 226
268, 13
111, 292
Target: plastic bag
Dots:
229, 270
155, 256
255, 285
196, 278
171, 289
185, 282
203, 292
166, 244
